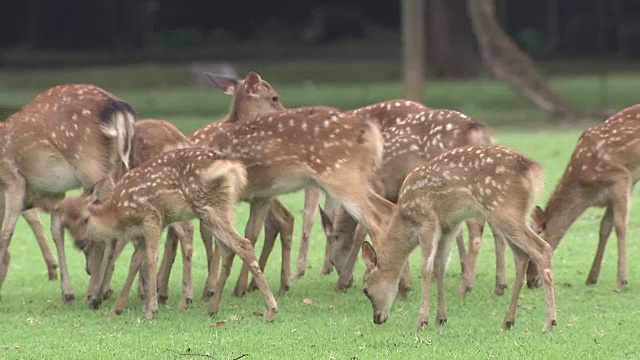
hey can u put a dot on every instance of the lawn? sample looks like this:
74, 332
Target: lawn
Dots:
314, 321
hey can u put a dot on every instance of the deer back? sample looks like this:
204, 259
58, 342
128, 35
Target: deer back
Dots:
471, 181
173, 186
389, 112
423, 136
74, 129
153, 137
286, 151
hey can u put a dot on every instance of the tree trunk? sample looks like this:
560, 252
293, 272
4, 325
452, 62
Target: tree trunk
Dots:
511, 64
413, 48
450, 50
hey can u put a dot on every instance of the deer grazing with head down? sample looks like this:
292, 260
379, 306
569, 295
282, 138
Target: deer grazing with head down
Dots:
491, 182
175, 186
68, 136
412, 133
602, 172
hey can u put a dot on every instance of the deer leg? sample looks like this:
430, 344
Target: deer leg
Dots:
134, 267
462, 253
13, 206
57, 232
345, 275
521, 260
257, 216
606, 225
439, 267
501, 277
311, 201
152, 235
242, 247
213, 262
330, 207
169, 256
620, 222
428, 237
31, 216
226, 256
271, 231
106, 285
185, 234
475, 242
94, 297
539, 251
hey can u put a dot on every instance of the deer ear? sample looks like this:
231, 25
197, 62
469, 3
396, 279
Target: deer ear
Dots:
327, 224
369, 255
226, 84
252, 82
539, 219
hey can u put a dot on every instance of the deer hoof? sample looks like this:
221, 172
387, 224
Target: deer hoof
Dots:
499, 291
297, 275
162, 299
421, 325
53, 275
68, 298
507, 325
327, 271
93, 302
116, 312
107, 294
207, 294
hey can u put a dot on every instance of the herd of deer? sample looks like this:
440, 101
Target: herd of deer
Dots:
400, 172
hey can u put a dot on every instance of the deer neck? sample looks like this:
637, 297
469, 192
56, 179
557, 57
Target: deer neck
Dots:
394, 247
103, 222
238, 111
565, 205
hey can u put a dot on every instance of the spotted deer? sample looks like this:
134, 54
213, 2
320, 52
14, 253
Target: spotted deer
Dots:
312, 146
68, 136
491, 182
412, 133
602, 172
252, 96
175, 186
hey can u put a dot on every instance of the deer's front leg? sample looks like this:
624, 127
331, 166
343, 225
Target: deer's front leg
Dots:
257, 216
152, 233
311, 201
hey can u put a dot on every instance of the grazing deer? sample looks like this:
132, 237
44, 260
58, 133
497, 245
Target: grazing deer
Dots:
492, 182
412, 133
294, 149
602, 172
68, 136
252, 97
175, 186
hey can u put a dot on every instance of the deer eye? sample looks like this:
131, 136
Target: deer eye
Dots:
275, 99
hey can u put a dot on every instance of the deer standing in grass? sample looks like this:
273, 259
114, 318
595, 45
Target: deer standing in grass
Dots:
175, 186
252, 97
68, 136
602, 172
412, 133
492, 182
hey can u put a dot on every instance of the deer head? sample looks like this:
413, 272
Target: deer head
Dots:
380, 287
252, 96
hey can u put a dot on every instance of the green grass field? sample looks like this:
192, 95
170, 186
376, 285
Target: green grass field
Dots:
314, 322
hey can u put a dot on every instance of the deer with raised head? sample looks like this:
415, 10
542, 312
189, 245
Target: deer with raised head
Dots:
413, 133
252, 96
68, 136
491, 182
602, 172
175, 186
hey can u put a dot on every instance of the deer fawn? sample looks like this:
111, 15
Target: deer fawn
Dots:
174, 186
252, 96
313, 146
602, 172
67, 137
492, 182
412, 133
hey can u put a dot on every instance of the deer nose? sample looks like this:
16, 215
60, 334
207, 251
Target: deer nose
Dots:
379, 317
